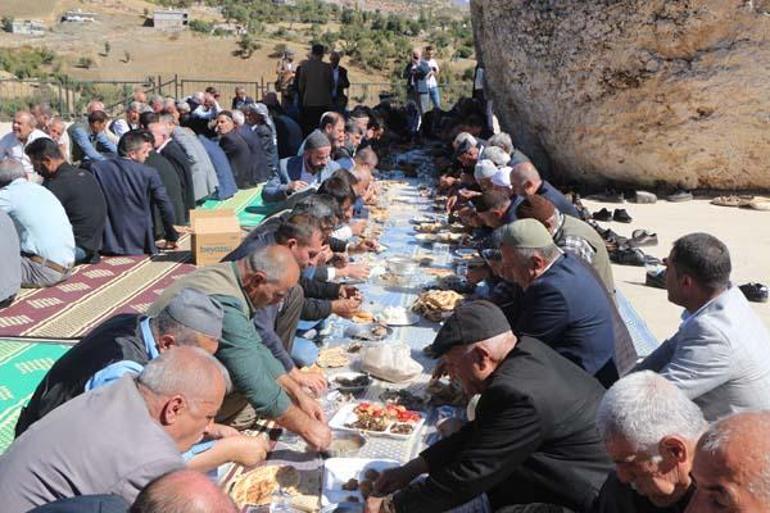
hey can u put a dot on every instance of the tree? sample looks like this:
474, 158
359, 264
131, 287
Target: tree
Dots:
7, 23
247, 45
85, 63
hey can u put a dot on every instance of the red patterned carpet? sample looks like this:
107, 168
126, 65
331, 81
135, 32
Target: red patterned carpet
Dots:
93, 293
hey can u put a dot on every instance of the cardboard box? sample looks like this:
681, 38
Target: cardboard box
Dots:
215, 234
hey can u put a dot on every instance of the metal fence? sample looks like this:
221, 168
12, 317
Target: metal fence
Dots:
68, 98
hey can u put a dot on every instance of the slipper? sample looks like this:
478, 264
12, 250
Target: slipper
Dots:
759, 204
643, 238
731, 201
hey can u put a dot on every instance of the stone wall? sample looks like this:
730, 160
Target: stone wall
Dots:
641, 92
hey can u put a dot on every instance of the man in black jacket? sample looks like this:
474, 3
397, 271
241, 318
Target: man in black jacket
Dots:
79, 193
124, 344
534, 437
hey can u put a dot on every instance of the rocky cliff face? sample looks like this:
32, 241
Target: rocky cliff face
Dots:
634, 91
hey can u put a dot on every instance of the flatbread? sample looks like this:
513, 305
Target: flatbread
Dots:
362, 317
258, 486
333, 357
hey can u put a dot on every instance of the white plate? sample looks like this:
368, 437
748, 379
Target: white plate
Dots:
426, 237
465, 252
338, 471
346, 415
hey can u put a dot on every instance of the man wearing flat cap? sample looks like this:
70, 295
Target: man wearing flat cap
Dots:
534, 438
295, 174
563, 303
123, 345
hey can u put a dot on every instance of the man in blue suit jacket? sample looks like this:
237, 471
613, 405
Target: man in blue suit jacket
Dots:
130, 190
563, 303
295, 174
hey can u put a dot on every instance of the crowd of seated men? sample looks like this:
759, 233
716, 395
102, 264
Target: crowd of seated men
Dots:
131, 417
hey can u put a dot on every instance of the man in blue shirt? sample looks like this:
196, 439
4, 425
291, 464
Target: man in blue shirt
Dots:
45, 233
563, 303
526, 181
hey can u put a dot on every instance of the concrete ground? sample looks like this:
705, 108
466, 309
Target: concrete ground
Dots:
745, 232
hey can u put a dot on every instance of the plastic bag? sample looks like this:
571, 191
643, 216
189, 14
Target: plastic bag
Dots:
391, 362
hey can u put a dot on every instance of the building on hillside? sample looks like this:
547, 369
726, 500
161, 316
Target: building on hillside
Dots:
28, 27
78, 16
170, 20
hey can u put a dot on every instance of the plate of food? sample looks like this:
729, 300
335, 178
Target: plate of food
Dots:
449, 237
397, 316
437, 305
256, 487
351, 480
466, 253
351, 382
333, 357
403, 397
426, 238
391, 420
374, 331
429, 227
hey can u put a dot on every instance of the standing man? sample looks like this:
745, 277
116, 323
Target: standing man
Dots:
79, 193
13, 144
285, 70
315, 88
340, 82
433, 89
416, 75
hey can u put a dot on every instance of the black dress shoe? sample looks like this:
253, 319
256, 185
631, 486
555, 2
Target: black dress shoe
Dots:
755, 292
603, 215
628, 256
656, 278
620, 215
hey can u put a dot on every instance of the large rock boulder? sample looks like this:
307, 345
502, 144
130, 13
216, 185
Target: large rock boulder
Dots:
633, 91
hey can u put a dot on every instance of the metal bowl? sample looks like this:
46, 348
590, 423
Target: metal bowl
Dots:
345, 444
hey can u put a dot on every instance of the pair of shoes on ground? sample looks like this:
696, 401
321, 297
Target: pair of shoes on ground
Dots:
755, 292
620, 215
627, 255
679, 195
732, 200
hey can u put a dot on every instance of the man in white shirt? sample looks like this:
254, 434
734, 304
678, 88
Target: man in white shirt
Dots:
22, 133
720, 356
432, 78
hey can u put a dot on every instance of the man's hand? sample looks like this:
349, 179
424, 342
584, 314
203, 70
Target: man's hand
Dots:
338, 260
346, 307
348, 292
315, 381
356, 271
247, 450
310, 407
218, 431
364, 245
318, 436
357, 226
450, 203
373, 504
296, 185
468, 194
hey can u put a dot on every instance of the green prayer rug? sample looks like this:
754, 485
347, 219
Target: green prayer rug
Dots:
22, 366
